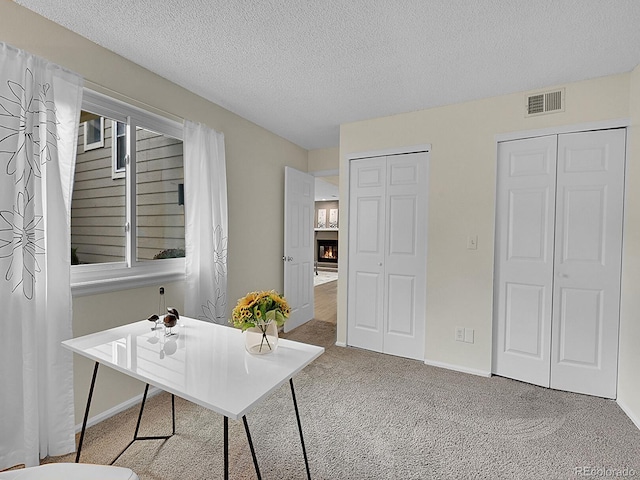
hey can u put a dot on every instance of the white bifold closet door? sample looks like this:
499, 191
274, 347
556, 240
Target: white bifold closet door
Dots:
558, 260
387, 254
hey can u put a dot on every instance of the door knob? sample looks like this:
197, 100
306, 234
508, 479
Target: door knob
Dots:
564, 275
379, 264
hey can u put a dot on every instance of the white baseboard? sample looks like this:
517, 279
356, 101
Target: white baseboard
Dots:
629, 413
118, 408
341, 344
458, 368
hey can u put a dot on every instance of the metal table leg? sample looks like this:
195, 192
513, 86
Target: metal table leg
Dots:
304, 450
253, 452
226, 448
157, 437
86, 411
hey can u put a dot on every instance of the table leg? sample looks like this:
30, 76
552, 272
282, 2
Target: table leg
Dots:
304, 450
173, 413
155, 437
226, 448
86, 411
253, 452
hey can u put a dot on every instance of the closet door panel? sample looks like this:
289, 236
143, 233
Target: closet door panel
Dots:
524, 259
588, 252
406, 255
367, 223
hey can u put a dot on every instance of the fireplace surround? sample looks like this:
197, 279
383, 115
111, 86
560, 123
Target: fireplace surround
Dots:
327, 251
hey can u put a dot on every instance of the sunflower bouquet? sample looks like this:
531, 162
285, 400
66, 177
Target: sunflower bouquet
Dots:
259, 308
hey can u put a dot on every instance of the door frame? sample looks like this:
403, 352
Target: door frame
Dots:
558, 130
343, 232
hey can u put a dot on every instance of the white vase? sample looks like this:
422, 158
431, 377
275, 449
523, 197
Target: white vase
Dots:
261, 339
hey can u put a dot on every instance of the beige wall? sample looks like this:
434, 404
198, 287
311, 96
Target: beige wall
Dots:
323, 159
462, 186
255, 173
629, 362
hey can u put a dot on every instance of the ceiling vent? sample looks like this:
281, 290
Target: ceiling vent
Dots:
545, 102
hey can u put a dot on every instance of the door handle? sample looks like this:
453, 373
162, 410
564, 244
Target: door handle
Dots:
563, 275
287, 259
379, 264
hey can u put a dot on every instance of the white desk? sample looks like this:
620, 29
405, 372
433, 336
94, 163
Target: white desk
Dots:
204, 363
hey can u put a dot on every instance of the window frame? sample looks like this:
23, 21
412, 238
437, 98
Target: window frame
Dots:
116, 172
107, 277
96, 144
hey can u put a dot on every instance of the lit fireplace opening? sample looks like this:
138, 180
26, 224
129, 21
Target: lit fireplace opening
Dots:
328, 251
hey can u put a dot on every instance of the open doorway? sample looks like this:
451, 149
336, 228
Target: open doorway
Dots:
327, 256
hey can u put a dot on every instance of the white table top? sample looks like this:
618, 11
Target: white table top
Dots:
204, 363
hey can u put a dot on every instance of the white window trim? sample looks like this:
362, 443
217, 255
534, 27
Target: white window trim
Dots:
99, 143
115, 172
109, 277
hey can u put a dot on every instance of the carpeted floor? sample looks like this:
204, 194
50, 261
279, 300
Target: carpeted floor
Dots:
373, 416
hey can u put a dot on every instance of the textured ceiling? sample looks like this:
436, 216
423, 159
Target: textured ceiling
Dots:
300, 68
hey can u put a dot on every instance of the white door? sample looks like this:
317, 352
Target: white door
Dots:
367, 225
299, 208
387, 254
588, 258
524, 258
558, 260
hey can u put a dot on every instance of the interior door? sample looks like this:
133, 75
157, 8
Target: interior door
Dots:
387, 254
405, 260
524, 258
367, 220
588, 258
299, 208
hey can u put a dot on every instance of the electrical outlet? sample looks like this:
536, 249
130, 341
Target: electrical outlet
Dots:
468, 335
459, 334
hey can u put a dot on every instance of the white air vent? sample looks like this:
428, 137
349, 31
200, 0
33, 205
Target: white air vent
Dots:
545, 102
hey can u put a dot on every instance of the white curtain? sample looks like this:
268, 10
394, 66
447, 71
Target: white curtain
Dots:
39, 111
206, 221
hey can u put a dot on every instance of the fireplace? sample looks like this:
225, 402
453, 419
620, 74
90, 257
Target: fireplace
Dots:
328, 251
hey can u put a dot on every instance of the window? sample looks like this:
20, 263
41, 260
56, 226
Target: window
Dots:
119, 148
127, 223
93, 132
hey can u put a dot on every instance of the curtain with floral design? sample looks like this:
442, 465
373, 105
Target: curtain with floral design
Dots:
39, 110
205, 177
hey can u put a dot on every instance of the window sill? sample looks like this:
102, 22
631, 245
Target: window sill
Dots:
92, 279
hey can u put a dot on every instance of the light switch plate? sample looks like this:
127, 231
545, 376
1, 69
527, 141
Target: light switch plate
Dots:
468, 335
459, 334
472, 242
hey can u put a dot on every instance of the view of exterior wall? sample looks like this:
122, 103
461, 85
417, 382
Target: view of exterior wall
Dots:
159, 174
98, 208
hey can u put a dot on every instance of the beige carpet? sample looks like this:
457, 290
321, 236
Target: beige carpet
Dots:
372, 416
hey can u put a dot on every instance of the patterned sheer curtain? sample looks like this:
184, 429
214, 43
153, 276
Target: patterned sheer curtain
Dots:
205, 177
39, 111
